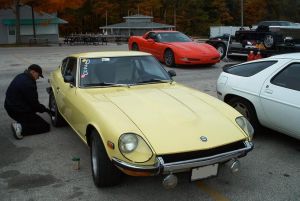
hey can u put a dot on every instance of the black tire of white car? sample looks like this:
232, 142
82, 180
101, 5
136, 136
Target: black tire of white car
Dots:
221, 48
169, 58
244, 107
104, 172
135, 47
269, 41
57, 120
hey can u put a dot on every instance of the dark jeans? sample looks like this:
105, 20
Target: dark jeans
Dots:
31, 123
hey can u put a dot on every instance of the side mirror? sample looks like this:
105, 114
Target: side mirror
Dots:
172, 73
68, 78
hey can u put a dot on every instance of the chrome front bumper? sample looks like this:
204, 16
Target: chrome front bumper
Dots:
161, 167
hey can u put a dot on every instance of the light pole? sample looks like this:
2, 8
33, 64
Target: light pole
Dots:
242, 13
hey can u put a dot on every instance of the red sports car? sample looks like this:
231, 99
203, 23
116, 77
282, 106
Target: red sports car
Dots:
173, 47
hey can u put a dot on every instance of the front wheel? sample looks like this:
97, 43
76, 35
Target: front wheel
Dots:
135, 47
56, 119
169, 58
221, 48
247, 110
104, 172
269, 41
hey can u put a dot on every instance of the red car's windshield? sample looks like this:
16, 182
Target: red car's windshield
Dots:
172, 37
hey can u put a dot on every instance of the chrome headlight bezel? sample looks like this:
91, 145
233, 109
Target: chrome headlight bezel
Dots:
245, 125
134, 148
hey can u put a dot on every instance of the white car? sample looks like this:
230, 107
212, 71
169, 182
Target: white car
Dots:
265, 91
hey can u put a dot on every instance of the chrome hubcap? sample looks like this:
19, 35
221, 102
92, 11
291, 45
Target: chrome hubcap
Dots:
220, 50
169, 58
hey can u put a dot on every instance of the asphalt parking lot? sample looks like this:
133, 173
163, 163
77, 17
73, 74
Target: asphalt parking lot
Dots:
40, 167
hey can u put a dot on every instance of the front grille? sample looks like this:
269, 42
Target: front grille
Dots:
169, 158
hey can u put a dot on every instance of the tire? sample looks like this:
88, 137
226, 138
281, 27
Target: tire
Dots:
169, 58
269, 41
244, 107
135, 47
104, 172
57, 120
221, 48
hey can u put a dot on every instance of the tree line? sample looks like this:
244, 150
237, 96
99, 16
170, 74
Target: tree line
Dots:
193, 17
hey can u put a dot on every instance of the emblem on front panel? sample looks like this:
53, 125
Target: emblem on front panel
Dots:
203, 139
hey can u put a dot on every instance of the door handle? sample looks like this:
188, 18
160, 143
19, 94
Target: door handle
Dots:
57, 89
269, 91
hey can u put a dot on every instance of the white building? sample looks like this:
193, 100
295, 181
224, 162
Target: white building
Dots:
46, 26
135, 25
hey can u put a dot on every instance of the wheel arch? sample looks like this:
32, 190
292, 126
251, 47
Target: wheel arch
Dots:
134, 43
88, 133
228, 97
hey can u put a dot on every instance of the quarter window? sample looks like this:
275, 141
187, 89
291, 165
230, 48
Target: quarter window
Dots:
71, 68
288, 77
64, 65
249, 69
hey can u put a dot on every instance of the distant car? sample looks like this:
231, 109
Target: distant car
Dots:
266, 92
220, 43
173, 47
270, 33
137, 120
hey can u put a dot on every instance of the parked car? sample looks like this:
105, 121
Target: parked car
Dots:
220, 43
266, 92
173, 47
271, 34
137, 120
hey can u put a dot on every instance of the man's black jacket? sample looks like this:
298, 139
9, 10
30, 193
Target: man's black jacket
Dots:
22, 96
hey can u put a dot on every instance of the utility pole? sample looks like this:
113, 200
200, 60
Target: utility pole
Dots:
33, 24
174, 17
17, 12
242, 13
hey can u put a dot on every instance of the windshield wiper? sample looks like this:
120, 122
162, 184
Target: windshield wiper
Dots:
106, 84
153, 81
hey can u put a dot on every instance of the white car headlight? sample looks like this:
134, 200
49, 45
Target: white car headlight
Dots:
245, 126
134, 148
128, 142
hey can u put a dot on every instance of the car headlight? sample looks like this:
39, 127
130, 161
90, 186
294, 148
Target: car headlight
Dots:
134, 148
245, 126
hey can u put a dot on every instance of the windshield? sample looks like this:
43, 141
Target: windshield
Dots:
172, 37
119, 71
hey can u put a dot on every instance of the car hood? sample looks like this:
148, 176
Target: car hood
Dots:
172, 119
193, 48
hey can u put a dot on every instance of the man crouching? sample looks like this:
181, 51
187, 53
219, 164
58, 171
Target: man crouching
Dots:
22, 104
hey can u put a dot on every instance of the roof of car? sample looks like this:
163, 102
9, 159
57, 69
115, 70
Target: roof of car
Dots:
110, 54
287, 56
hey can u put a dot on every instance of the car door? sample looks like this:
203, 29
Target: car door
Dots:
280, 98
68, 92
58, 83
148, 43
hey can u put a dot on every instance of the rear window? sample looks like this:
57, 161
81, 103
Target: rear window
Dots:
248, 69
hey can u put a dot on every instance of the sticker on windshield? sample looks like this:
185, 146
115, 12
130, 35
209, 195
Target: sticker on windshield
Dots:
85, 71
105, 59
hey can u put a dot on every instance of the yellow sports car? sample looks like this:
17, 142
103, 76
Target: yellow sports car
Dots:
137, 120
